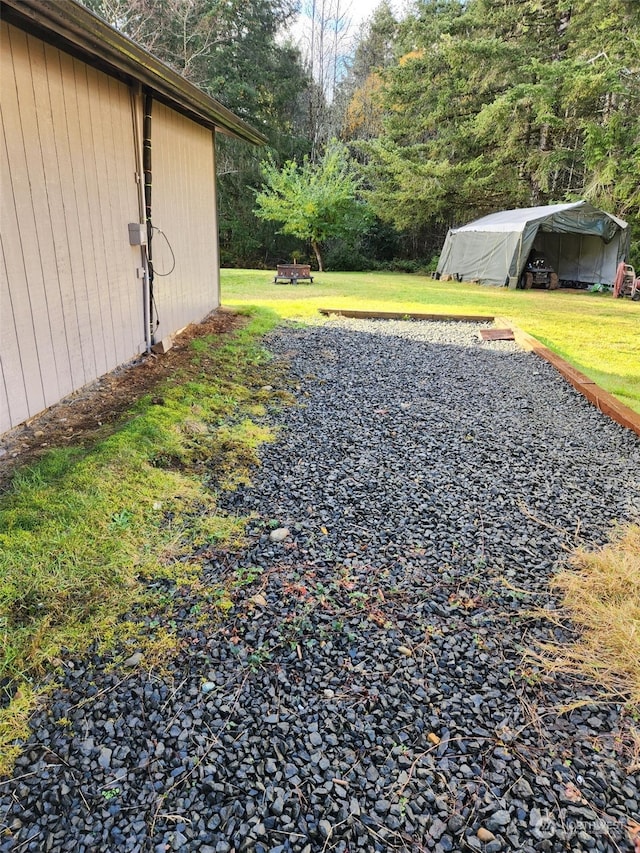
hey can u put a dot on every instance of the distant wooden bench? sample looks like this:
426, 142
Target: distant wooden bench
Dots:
293, 273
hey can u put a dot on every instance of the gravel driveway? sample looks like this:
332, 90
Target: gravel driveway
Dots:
368, 692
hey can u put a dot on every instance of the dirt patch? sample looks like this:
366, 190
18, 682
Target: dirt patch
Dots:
93, 411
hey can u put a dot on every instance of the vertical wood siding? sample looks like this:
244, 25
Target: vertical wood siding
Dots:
184, 208
70, 301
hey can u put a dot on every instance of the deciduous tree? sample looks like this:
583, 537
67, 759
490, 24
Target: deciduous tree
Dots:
313, 201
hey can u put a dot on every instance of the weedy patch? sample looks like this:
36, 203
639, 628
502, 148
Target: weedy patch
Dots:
14, 726
234, 452
83, 530
601, 598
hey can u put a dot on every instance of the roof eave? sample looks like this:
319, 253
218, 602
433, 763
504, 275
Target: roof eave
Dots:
521, 221
75, 29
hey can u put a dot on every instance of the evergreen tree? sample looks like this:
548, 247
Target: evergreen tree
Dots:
495, 104
414, 167
602, 97
357, 106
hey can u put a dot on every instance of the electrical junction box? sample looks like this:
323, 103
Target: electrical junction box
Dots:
137, 234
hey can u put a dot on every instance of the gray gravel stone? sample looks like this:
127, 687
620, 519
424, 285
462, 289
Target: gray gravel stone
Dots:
280, 534
326, 830
418, 470
104, 758
499, 818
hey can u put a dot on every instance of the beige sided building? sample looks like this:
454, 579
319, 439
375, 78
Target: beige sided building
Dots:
76, 297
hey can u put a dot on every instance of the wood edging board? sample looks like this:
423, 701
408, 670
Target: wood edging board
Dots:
405, 315
603, 400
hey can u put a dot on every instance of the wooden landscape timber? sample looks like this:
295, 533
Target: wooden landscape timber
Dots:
406, 315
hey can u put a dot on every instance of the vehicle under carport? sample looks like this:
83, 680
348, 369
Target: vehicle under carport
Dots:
580, 244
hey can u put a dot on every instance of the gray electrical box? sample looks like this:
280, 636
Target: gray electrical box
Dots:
137, 234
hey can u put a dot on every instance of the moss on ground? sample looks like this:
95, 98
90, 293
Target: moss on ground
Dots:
83, 530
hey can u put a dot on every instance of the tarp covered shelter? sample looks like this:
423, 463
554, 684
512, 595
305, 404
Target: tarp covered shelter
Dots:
580, 242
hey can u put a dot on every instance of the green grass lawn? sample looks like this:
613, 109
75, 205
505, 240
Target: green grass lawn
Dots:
596, 333
81, 529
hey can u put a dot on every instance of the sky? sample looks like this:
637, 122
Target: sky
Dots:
354, 12
360, 10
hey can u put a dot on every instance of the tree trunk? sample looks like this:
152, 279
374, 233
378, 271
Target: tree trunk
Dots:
316, 249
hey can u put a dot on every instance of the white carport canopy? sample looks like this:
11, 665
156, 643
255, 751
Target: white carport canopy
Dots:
580, 242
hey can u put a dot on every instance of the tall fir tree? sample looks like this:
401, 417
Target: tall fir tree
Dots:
496, 104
